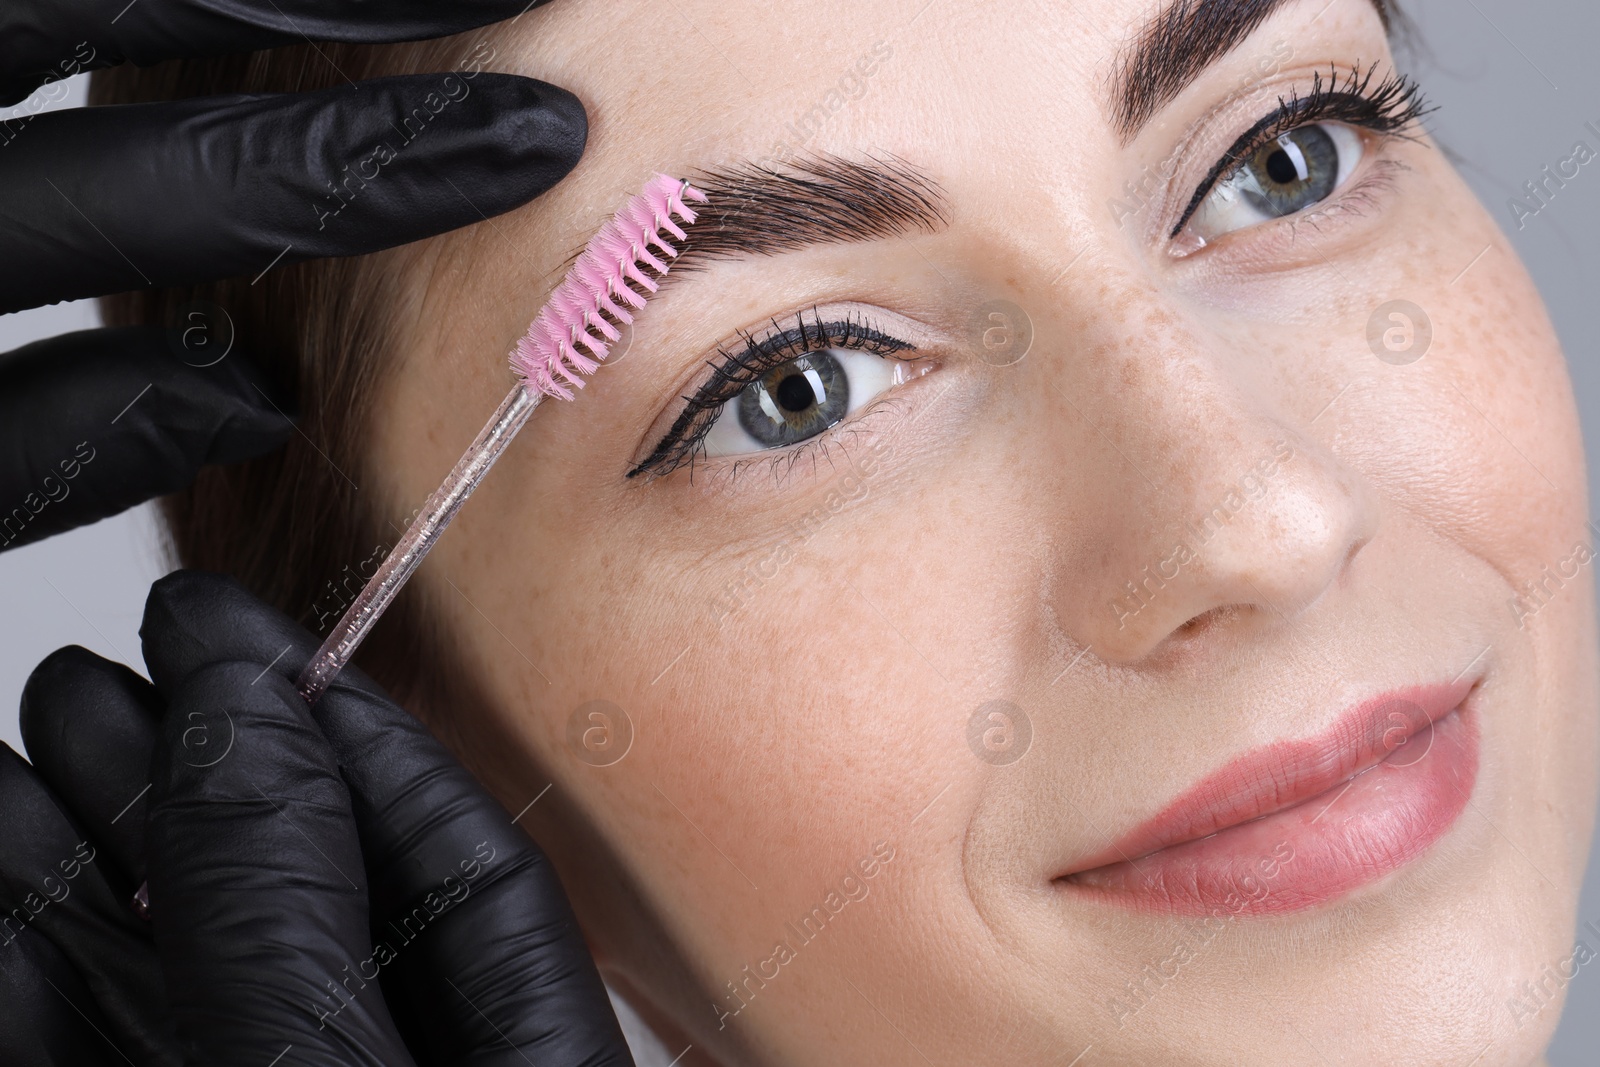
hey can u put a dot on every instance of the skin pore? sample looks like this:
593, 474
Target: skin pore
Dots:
801, 639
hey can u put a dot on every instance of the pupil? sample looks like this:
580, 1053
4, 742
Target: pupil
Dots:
1300, 169
1281, 169
796, 400
794, 393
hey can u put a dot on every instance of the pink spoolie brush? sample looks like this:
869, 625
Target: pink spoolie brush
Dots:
568, 339
594, 298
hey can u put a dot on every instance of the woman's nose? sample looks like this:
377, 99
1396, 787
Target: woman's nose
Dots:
1226, 511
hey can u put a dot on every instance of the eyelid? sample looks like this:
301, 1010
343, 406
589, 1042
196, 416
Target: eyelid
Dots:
1389, 109
675, 444
842, 384
1234, 157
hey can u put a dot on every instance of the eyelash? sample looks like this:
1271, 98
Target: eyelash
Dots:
1389, 109
735, 370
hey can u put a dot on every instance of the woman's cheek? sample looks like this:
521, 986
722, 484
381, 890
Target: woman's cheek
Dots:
1479, 437
804, 738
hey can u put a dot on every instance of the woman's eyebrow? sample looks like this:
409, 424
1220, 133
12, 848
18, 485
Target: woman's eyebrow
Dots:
764, 209
1177, 45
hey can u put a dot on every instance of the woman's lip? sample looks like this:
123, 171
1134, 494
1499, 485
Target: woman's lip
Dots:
1192, 855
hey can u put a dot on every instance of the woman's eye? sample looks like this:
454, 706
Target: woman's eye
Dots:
1288, 174
800, 399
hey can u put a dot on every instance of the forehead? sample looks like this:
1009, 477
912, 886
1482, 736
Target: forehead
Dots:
701, 76
705, 78
1012, 105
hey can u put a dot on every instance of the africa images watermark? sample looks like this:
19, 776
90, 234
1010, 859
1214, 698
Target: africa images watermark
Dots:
53, 91
1137, 193
847, 490
451, 892
599, 733
797, 935
999, 333
1536, 594
452, 89
1250, 887
1533, 997
1540, 192
53, 488
53, 889
1000, 733
340, 592
851, 86
1251, 486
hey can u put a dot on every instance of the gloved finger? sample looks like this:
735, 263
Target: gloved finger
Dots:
104, 199
470, 911
471, 918
90, 727
50, 1017
53, 883
49, 39
97, 421
257, 894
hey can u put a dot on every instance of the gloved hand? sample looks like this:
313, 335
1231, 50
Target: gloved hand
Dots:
106, 199
327, 885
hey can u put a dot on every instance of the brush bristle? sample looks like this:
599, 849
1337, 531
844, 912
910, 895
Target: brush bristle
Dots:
576, 327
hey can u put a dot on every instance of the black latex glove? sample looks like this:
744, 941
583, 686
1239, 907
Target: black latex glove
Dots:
106, 199
282, 845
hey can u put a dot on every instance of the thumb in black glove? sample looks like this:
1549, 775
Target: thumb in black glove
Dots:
107, 199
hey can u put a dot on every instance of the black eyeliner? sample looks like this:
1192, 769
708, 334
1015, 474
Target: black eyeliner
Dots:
1395, 104
735, 370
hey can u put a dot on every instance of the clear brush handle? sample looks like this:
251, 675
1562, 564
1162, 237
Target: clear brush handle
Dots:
418, 540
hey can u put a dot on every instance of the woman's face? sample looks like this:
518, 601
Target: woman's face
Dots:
1031, 544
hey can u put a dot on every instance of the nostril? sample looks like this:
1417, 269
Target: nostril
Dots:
1350, 557
1206, 620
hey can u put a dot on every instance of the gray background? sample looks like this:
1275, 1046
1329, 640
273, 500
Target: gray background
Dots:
1516, 81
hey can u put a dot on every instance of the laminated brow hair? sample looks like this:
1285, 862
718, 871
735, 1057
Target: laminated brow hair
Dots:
765, 209
1178, 44
762, 209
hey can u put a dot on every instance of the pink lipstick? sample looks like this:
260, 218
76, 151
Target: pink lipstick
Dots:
1298, 823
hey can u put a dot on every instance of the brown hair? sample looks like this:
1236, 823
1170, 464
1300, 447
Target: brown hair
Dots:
295, 527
